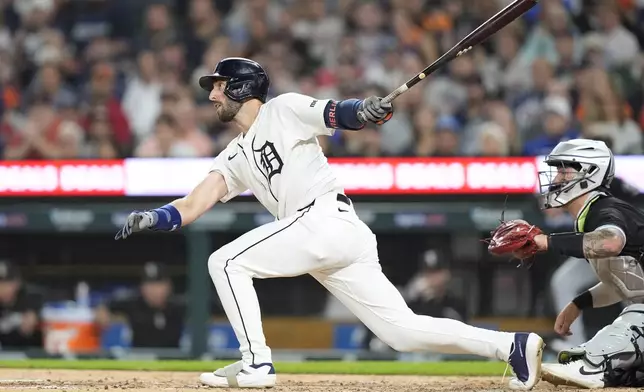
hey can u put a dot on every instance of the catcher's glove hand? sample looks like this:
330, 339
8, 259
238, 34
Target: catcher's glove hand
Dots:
515, 237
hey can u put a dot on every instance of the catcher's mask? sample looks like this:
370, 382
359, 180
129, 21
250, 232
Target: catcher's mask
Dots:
575, 167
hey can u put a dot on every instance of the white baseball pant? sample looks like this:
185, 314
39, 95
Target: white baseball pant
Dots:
330, 242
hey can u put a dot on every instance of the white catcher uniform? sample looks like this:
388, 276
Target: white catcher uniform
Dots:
316, 232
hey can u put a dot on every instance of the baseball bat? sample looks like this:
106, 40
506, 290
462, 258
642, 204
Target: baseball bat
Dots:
480, 34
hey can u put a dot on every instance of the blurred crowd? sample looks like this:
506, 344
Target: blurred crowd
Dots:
117, 78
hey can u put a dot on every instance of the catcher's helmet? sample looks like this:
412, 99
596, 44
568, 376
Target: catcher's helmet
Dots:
592, 163
245, 79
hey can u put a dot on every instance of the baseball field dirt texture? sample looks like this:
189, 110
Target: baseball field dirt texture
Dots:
324, 376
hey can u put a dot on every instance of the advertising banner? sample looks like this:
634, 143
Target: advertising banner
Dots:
359, 176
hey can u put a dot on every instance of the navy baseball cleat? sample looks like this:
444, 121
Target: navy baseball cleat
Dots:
525, 360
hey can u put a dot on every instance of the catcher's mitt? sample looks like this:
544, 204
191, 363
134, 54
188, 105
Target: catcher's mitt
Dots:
514, 237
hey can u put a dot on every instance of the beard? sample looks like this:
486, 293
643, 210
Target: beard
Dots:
228, 110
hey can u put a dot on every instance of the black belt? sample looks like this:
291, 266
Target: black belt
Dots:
341, 198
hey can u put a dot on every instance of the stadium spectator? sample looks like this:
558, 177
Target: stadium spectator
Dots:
99, 97
569, 52
447, 136
100, 142
205, 26
541, 40
137, 59
19, 311
166, 141
493, 140
43, 135
160, 29
528, 106
154, 316
49, 84
190, 131
557, 127
604, 113
620, 46
505, 73
448, 93
142, 97
424, 122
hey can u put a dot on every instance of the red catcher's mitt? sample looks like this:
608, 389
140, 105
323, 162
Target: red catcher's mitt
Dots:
514, 237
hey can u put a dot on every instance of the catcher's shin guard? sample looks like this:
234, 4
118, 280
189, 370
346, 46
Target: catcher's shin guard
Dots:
617, 349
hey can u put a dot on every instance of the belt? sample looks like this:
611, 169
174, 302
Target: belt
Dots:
341, 198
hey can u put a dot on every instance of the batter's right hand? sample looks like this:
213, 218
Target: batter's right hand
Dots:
137, 221
374, 110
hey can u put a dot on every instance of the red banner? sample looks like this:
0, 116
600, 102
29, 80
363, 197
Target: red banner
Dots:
437, 175
62, 178
359, 176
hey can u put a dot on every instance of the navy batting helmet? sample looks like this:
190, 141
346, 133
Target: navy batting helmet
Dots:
245, 79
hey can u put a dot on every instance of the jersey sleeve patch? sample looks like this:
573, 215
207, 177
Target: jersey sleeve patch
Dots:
330, 117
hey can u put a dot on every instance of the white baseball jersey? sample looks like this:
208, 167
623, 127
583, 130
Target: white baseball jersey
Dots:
279, 159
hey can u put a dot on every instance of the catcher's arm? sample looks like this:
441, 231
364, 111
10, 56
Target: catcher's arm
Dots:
605, 241
523, 240
598, 296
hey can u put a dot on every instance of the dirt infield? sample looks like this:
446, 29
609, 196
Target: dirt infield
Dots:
132, 381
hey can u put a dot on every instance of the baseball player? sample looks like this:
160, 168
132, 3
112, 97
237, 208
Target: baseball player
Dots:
316, 231
609, 233
575, 275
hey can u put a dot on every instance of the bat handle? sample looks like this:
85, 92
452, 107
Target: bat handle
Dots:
395, 93
387, 99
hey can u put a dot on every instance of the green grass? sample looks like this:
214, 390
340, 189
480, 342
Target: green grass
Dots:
481, 368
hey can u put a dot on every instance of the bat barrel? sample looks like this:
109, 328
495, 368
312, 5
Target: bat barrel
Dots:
501, 19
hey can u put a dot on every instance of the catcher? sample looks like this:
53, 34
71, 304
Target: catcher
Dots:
609, 234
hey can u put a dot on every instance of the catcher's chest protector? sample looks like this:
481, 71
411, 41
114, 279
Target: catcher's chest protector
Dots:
618, 348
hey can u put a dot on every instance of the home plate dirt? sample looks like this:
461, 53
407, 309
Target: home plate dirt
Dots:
132, 381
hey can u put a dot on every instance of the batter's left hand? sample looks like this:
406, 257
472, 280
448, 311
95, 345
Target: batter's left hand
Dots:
135, 222
374, 110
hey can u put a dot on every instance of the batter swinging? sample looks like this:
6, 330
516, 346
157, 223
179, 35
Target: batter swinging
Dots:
316, 230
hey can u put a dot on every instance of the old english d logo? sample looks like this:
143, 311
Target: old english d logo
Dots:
270, 160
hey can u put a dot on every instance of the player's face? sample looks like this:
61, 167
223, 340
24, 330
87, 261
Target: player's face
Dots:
556, 181
565, 174
226, 108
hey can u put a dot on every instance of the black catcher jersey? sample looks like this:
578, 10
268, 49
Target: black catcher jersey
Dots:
605, 209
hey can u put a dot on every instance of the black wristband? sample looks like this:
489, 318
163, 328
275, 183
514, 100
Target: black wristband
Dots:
584, 300
568, 244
